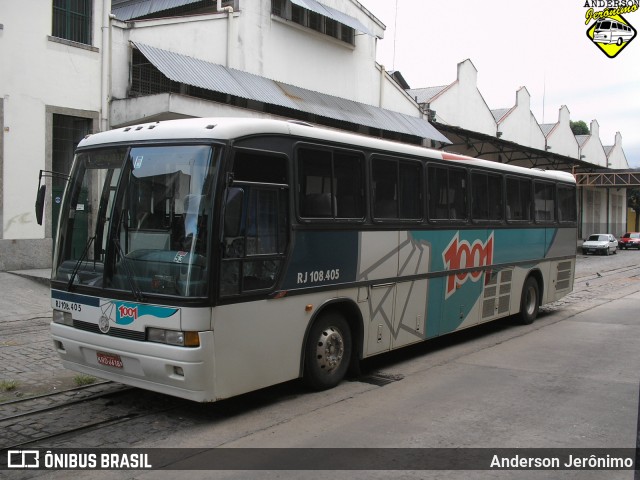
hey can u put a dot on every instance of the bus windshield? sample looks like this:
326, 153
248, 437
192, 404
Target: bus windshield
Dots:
138, 220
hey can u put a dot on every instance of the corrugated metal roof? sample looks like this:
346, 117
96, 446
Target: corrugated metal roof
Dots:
336, 15
214, 77
547, 127
498, 113
139, 8
424, 95
582, 139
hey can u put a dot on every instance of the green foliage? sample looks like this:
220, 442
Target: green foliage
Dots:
8, 385
579, 127
82, 379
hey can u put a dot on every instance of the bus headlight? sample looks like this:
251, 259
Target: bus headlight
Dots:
62, 317
173, 337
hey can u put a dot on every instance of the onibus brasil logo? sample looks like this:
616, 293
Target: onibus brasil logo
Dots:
610, 31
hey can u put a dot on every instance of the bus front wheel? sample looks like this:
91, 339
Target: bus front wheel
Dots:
529, 302
327, 352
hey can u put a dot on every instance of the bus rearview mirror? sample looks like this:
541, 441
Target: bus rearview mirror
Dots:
42, 191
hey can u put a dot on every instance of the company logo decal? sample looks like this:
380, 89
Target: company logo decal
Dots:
608, 29
460, 254
127, 313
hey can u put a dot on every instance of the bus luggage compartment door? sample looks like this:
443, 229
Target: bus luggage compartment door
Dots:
382, 303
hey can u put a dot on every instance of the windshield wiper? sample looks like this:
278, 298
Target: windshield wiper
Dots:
125, 261
76, 267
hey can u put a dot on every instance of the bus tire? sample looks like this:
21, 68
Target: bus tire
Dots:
327, 352
529, 302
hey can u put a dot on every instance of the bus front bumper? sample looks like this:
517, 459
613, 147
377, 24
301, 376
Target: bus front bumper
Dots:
177, 371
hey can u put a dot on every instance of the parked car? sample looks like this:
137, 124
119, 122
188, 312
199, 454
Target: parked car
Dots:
601, 243
630, 240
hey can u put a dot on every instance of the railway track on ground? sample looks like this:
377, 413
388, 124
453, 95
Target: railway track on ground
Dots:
30, 421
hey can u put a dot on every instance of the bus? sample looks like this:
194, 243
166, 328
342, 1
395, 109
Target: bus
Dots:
206, 258
610, 31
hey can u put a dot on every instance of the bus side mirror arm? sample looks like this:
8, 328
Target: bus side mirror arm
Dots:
42, 191
230, 178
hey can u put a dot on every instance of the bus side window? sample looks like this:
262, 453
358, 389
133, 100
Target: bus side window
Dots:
567, 208
331, 184
385, 179
486, 195
518, 199
397, 189
544, 201
447, 193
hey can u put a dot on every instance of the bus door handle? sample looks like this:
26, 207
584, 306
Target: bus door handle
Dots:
383, 285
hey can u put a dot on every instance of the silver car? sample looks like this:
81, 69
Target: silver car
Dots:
601, 243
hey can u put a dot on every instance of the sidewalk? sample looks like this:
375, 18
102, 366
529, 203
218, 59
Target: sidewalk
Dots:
26, 350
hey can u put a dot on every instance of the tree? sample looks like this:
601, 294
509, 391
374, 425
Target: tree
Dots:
579, 127
633, 201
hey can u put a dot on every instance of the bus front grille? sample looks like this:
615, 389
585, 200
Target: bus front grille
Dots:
113, 332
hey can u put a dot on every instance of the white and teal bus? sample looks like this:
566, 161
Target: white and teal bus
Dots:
205, 258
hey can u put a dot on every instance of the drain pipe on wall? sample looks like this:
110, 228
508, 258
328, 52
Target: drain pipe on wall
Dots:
381, 98
105, 80
229, 11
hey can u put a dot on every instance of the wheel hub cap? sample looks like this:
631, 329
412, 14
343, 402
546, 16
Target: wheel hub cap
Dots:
330, 349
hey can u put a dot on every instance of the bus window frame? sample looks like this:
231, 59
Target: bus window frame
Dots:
297, 185
536, 181
508, 221
487, 221
573, 187
467, 201
371, 196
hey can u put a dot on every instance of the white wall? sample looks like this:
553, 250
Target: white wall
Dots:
268, 46
616, 158
520, 125
561, 139
462, 105
37, 73
592, 149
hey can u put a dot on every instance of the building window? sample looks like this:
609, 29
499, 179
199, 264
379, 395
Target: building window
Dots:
67, 133
315, 21
298, 14
146, 79
72, 20
278, 7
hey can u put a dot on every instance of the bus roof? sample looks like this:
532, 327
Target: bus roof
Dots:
228, 128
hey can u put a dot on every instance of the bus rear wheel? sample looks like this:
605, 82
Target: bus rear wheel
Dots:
529, 302
327, 352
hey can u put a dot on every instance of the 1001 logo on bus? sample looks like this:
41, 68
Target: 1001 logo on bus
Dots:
128, 312
460, 255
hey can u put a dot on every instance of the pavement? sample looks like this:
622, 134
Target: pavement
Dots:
28, 363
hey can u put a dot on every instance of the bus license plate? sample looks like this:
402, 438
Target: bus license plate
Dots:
109, 359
